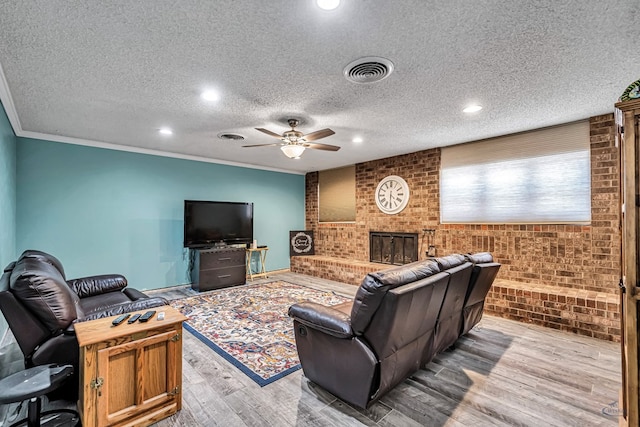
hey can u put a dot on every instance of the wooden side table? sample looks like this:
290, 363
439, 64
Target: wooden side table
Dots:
130, 374
262, 257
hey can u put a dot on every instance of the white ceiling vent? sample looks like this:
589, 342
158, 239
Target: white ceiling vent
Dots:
368, 70
231, 136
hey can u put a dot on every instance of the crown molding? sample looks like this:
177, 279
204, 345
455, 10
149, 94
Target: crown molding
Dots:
7, 102
140, 150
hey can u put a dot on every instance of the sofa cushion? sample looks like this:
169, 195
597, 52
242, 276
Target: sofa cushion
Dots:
375, 285
41, 288
479, 258
102, 302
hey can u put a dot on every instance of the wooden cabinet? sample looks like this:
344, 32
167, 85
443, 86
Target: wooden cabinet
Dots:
218, 268
130, 374
628, 138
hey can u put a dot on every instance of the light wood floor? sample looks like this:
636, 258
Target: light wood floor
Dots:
503, 373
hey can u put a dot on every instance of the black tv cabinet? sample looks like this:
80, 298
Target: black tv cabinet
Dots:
217, 268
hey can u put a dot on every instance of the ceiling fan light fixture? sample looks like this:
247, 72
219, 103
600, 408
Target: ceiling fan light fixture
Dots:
292, 151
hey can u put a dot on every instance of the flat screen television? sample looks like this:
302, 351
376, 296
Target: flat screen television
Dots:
209, 224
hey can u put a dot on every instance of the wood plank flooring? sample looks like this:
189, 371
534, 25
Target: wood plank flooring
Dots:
503, 373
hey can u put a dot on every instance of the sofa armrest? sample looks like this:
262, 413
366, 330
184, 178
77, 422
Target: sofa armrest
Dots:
96, 285
322, 318
125, 307
134, 295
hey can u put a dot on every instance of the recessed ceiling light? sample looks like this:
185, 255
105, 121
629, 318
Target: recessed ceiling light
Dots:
328, 4
472, 109
210, 95
357, 140
166, 131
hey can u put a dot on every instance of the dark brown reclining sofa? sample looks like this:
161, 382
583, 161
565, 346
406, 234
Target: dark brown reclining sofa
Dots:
41, 306
399, 319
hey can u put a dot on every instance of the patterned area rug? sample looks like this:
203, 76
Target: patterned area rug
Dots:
248, 325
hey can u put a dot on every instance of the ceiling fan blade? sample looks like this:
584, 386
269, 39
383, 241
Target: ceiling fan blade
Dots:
325, 147
268, 132
318, 134
275, 144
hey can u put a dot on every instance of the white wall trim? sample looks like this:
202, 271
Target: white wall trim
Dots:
7, 102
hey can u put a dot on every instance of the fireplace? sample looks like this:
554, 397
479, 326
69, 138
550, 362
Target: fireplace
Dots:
393, 248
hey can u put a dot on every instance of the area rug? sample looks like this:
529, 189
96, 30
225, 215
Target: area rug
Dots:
248, 325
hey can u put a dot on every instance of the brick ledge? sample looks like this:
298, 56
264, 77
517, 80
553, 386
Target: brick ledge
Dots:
584, 312
333, 268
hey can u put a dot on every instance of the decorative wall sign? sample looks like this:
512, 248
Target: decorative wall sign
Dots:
392, 194
632, 92
301, 243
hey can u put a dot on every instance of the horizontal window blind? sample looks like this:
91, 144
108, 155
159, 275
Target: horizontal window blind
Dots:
537, 177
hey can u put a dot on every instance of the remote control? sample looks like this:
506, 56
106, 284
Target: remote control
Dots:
133, 318
120, 319
148, 315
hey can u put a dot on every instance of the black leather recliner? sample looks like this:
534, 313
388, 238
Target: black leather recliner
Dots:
41, 306
361, 356
399, 319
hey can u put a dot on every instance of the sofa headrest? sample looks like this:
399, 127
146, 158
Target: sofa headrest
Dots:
41, 288
479, 258
450, 261
403, 274
32, 253
375, 285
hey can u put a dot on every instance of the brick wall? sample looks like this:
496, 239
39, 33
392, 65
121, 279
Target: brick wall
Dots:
566, 256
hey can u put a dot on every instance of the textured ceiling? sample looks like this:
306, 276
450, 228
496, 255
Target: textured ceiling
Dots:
111, 73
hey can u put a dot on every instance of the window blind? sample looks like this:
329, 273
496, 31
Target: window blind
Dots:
337, 195
537, 177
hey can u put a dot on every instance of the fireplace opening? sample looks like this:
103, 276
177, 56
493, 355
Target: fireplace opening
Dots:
393, 248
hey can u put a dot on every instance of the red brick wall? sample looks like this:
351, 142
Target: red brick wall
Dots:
580, 257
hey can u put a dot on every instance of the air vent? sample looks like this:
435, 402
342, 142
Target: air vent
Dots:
370, 69
231, 136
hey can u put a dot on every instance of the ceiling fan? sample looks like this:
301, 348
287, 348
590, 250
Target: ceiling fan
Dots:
294, 142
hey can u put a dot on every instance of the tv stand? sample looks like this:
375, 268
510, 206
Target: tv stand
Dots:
218, 267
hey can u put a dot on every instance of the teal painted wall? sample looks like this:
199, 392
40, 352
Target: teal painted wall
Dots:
7, 190
104, 211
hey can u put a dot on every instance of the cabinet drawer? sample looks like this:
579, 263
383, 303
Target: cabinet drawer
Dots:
220, 259
221, 277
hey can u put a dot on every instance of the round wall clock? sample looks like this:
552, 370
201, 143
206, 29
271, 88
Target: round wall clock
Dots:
392, 194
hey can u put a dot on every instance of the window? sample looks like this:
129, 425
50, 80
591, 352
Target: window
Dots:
536, 177
337, 194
